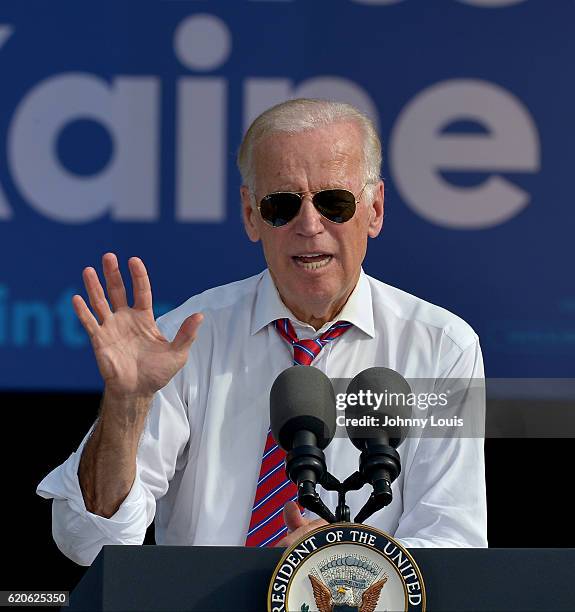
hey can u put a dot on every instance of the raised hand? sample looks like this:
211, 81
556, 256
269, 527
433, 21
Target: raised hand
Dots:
134, 358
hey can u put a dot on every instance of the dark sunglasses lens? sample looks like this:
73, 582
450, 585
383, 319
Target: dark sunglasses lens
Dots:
337, 205
280, 208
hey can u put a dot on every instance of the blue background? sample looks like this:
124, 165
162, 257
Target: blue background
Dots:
513, 282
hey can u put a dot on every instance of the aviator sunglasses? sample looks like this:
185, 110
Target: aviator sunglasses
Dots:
336, 205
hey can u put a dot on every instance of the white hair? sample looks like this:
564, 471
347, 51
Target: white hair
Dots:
300, 115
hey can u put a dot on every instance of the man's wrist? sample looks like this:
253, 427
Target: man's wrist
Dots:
125, 405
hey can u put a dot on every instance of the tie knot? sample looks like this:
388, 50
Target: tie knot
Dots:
305, 351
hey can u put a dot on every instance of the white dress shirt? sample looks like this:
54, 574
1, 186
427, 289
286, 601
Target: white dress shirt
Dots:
200, 454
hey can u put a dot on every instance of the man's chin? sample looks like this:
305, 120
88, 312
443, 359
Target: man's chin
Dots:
315, 298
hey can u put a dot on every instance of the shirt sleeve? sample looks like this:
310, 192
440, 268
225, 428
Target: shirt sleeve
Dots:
444, 498
80, 534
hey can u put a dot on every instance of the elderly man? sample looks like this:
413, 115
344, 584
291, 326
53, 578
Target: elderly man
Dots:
182, 433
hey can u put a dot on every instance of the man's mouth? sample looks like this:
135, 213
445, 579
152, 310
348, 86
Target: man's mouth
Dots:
312, 261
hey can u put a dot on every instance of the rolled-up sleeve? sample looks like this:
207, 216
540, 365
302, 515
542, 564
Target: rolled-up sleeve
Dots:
80, 534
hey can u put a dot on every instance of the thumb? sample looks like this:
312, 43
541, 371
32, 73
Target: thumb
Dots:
292, 516
187, 332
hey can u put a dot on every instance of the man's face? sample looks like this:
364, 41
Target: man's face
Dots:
327, 157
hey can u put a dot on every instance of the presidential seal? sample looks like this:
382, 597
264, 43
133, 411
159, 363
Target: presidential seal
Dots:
346, 567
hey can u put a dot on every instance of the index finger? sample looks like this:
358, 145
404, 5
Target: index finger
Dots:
140, 284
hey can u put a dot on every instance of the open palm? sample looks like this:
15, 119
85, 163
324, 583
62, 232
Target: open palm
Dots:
133, 356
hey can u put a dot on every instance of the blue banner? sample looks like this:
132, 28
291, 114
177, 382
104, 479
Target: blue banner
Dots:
120, 121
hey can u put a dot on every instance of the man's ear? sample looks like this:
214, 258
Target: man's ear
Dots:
376, 209
249, 214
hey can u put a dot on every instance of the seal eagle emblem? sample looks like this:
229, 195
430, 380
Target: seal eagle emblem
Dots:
346, 567
343, 600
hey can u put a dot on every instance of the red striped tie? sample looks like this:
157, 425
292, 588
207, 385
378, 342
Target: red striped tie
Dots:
274, 488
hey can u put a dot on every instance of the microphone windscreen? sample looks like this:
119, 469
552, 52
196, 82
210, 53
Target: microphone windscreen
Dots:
393, 390
302, 398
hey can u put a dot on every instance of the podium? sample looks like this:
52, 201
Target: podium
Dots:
235, 579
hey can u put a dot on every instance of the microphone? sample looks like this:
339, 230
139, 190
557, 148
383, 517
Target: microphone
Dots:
379, 462
303, 423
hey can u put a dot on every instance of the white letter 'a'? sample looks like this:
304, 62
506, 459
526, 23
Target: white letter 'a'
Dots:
127, 187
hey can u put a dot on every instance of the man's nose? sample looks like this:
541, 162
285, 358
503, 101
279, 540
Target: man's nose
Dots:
308, 221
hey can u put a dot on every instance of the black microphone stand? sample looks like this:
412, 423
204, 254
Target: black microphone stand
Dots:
305, 465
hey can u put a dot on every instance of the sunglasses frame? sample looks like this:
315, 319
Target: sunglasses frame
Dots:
302, 194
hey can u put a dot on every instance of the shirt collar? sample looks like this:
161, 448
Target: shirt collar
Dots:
269, 306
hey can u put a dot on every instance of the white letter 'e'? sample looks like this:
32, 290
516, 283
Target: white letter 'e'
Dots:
419, 152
